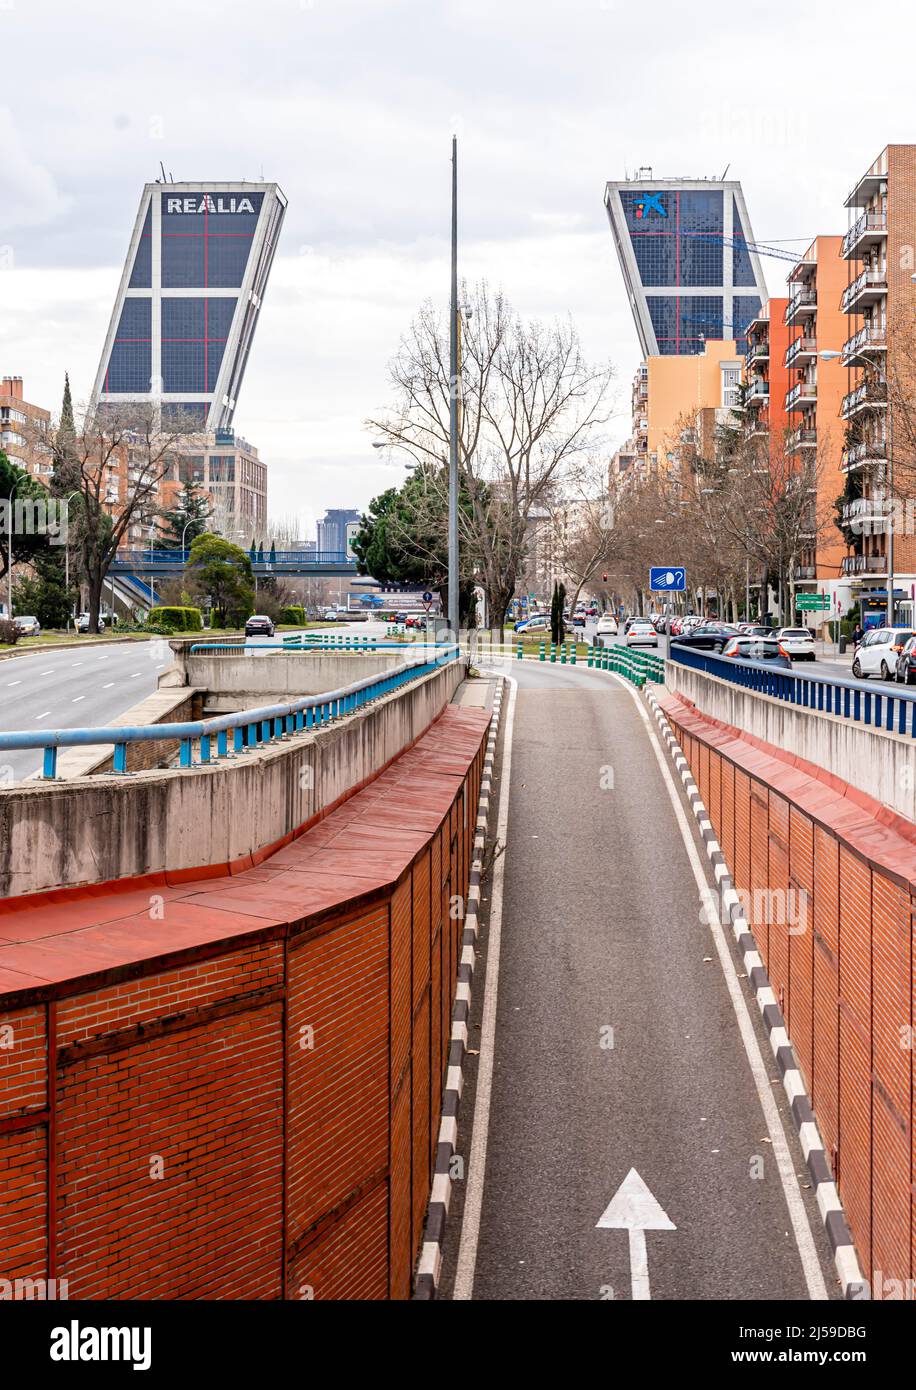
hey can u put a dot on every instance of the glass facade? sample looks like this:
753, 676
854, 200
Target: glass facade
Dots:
742, 267
745, 307
684, 251
184, 323
207, 249
194, 336
141, 275
130, 363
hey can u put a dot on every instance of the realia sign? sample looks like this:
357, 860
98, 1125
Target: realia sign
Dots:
205, 202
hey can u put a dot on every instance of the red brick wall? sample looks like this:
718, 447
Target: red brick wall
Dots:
260, 1122
844, 974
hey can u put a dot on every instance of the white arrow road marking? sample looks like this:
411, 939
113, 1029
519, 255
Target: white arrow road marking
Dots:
633, 1208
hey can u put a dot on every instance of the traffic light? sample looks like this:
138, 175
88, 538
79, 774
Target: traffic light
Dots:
604, 579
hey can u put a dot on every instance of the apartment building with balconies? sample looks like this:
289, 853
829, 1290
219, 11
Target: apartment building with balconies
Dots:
815, 386
766, 376
25, 430
878, 303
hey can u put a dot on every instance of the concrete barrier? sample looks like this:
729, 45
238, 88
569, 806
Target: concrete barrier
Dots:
875, 761
106, 827
237, 682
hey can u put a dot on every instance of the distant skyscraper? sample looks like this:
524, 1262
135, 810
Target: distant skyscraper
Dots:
332, 529
189, 299
685, 252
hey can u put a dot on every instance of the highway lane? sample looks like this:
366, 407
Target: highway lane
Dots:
617, 1045
73, 688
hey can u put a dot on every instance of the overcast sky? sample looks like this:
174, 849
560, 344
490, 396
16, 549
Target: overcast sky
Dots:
349, 105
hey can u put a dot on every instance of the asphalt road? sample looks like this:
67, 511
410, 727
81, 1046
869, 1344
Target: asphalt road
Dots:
72, 688
602, 930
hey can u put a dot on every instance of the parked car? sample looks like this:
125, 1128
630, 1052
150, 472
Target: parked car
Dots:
259, 625
798, 642
763, 649
879, 652
906, 663
539, 623
709, 637
641, 633
27, 626
329, 614
82, 623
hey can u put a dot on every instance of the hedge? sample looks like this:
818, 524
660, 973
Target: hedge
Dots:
293, 614
179, 619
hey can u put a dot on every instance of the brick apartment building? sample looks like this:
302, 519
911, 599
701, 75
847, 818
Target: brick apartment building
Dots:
23, 426
879, 305
814, 393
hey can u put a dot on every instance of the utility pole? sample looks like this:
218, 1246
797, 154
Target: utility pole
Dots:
454, 386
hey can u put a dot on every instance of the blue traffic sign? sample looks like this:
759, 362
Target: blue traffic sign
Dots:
670, 578
427, 597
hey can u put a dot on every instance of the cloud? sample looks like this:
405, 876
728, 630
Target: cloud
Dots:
30, 194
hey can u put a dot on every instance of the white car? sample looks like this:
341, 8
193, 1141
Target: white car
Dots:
798, 642
27, 626
877, 653
606, 626
641, 634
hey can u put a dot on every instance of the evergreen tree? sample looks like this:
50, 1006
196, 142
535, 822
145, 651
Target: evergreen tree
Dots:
67, 427
187, 520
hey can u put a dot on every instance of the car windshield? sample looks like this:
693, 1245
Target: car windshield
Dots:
902, 636
796, 632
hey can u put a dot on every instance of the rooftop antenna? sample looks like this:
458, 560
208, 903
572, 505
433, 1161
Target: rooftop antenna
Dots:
727, 167
162, 167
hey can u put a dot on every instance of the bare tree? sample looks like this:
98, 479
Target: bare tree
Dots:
115, 462
531, 407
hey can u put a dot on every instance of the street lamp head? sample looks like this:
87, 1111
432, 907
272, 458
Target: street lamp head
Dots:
828, 354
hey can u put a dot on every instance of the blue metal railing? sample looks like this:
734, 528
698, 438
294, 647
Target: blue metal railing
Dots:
889, 710
249, 728
126, 559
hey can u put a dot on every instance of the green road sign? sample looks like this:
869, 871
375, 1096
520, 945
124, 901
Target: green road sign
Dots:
813, 601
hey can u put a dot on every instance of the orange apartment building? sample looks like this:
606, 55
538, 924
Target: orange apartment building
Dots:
766, 375
817, 384
878, 345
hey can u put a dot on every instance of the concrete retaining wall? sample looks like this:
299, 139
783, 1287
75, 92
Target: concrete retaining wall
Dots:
99, 828
240, 682
880, 763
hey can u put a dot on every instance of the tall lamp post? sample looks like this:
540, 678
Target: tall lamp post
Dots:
67, 500
455, 387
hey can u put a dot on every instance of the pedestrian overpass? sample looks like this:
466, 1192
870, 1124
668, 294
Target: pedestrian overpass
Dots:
142, 564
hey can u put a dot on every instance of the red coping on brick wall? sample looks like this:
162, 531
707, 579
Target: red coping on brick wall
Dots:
54, 947
871, 829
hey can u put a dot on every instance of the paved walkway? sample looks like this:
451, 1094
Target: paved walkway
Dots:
617, 1045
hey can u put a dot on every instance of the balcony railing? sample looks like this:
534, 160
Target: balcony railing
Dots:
758, 390
801, 348
757, 352
802, 302
805, 572
868, 339
865, 564
864, 452
867, 516
801, 394
868, 395
802, 438
870, 227
870, 284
